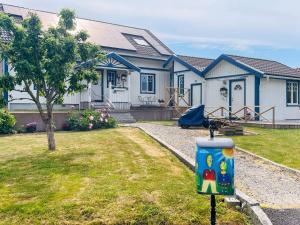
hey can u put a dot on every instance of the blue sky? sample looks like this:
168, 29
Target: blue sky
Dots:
258, 28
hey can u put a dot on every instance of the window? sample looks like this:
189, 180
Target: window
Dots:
111, 77
292, 97
148, 83
141, 41
181, 85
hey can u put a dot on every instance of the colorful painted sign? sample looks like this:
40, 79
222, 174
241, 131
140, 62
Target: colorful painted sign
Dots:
215, 166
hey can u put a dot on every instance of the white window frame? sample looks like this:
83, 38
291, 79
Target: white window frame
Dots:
294, 87
147, 80
141, 41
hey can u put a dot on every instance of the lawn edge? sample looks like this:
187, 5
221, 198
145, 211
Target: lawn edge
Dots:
283, 167
250, 206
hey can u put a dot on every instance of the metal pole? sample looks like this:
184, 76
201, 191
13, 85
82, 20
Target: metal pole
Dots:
212, 210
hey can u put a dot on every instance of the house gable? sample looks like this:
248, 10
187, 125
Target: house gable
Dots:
226, 66
224, 69
115, 61
186, 65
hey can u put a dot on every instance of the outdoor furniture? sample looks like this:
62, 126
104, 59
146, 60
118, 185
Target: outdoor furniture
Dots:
147, 100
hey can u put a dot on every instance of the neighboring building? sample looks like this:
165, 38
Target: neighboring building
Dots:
132, 74
257, 83
140, 70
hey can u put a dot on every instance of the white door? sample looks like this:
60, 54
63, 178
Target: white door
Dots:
97, 89
196, 91
237, 96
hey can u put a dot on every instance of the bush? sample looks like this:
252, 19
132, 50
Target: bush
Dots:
7, 122
90, 119
31, 127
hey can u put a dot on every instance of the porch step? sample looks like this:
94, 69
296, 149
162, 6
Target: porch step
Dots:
100, 105
123, 117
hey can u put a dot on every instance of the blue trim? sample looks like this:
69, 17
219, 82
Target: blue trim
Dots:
283, 78
233, 62
178, 84
155, 69
187, 65
286, 93
257, 96
220, 77
230, 92
123, 61
192, 89
154, 83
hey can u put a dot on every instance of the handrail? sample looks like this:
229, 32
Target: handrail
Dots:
246, 109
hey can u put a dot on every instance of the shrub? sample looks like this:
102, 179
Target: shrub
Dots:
31, 127
90, 119
7, 122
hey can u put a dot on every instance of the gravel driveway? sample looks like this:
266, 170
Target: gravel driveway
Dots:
277, 190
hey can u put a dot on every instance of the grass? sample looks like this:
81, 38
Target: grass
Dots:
281, 146
116, 176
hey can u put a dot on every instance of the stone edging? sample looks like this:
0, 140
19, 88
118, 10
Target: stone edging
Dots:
249, 205
288, 169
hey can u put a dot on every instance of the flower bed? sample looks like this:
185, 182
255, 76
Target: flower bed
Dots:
89, 120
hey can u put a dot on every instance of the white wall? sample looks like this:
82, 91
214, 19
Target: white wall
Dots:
189, 78
162, 78
226, 72
273, 93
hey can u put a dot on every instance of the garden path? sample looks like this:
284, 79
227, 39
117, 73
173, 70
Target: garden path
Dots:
276, 189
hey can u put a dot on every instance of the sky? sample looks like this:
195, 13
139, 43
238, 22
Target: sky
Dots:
268, 29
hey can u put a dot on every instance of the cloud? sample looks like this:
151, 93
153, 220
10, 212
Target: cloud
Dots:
226, 24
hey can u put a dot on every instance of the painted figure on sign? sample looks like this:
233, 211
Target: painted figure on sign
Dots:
209, 176
224, 179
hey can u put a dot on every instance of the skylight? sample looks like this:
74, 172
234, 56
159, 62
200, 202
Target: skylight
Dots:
140, 41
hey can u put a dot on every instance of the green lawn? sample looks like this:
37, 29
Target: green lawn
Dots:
281, 146
117, 176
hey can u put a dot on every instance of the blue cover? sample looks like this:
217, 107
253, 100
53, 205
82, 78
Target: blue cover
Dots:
193, 117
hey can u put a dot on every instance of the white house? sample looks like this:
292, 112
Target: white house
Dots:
132, 75
234, 82
142, 71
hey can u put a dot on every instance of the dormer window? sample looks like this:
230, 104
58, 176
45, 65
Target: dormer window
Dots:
141, 41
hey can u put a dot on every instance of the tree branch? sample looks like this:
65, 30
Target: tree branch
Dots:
14, 99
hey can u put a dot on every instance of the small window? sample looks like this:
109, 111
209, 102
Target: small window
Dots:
140, 41
181, 85
147, 83
111, 78
238, 87
292, 97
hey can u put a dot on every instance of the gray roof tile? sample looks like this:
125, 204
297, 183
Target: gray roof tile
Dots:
198, 63
269, 67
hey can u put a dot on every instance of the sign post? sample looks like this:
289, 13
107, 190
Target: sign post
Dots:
214, 168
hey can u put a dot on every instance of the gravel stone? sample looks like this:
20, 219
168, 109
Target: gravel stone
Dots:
276, 189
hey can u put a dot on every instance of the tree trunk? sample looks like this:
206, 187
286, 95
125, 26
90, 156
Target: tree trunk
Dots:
50, 134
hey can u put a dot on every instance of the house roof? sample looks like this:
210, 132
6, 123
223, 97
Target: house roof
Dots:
197, 62
258, 67
268, 67
108, 35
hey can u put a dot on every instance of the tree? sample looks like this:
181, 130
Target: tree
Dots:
54, 61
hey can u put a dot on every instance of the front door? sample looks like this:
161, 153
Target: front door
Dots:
237, 96
196, 94
97, 89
